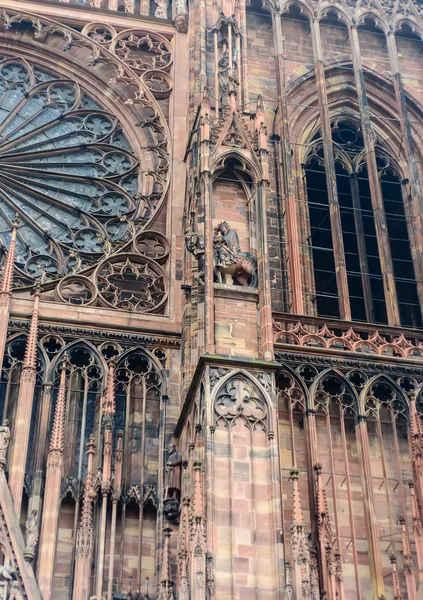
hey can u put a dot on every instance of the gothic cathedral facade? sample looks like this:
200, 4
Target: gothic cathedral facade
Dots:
211, 299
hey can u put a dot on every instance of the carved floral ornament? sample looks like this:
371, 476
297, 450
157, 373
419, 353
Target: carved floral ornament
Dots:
347, 339
239, 398
147, 54
82, 190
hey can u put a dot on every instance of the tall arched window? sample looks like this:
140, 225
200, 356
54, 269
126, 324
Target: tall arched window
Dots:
359, 249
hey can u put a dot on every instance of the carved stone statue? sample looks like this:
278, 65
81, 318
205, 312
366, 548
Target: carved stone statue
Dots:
4, 441
223, 73
235, 266
173, 473
195, 245
172, 510
227, 75
171, 503
162, 9
32, 533
15, 592
226, 245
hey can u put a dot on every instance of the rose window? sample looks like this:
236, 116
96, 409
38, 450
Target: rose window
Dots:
67, 170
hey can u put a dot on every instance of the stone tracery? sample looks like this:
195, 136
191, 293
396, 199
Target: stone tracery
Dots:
85, 190
67, 170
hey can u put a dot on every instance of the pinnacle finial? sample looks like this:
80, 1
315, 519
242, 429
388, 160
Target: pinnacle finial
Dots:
109, 403
30, 360
9, 264
58, 432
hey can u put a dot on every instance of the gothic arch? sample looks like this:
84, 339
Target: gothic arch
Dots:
55, 363
379, 21
384, 380
150, 356
327, 295
343, 14
263, 394
295, 375
414, 25
41, 353
303, 120
341, 378
304, 7
242, 450
218, 164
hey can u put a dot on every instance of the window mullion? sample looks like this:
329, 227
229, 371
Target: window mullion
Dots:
375, 188
362, 253
335, 216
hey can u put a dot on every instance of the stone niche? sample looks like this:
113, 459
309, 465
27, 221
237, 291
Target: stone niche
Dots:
236, 295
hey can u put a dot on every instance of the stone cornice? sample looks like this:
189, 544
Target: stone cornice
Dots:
122, 335
73, 13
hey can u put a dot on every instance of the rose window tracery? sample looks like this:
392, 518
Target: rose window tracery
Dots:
66, 169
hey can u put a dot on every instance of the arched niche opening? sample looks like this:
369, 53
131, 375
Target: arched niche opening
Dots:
338, 446
234, 198
63, 566
138, 393
242, 466
334, 34
149, 544
409, 45
372, 39
387, 423
83, 405
9, 393
261, 62
130, 533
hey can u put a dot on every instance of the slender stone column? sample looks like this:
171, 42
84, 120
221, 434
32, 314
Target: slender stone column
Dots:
325, 537
198, 546
24, 411
292, 227
50, 519
265, 316
35, 502
416, 433
370, 514
6, 289
396, 587
116, 489
299, 542
361, 246
375, 189
105, 489
184, 551
166, 589
414, 226
206, 209
417, 531
266, 319
334, 211
410, 580
109, 409
84, 539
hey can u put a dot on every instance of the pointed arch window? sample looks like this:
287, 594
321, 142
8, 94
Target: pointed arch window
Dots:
358, 252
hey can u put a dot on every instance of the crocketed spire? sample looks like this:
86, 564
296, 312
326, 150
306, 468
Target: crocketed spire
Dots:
9, 265
30, 360
166, 591
58, 432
